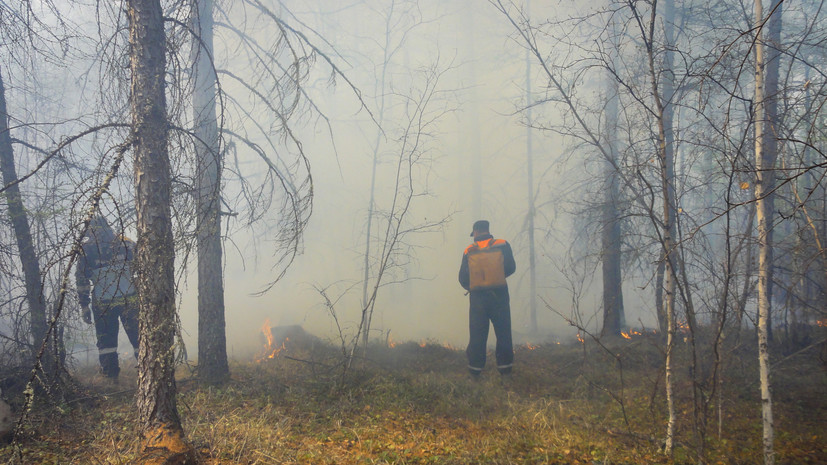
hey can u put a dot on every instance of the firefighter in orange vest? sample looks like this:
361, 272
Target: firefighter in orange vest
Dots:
485, 265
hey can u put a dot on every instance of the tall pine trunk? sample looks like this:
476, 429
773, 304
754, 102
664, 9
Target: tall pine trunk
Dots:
160, 431
212, 340
770, 132
613, 312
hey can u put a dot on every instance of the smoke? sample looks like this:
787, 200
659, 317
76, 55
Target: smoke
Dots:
474, 168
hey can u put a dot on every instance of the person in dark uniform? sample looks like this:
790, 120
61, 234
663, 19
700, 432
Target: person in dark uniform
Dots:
485, 265
104, 279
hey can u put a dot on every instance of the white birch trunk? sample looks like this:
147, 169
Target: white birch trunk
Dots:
764, 220
667, 172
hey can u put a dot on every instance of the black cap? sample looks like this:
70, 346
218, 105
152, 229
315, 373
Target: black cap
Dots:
480, 226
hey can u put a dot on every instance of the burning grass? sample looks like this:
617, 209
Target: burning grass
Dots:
413, 403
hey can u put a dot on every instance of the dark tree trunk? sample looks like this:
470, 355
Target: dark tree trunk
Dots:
771, 126
161, 434
660, 310
22, 232
212, 339
613, 313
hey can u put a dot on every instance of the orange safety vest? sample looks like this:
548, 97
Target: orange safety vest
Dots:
486, 267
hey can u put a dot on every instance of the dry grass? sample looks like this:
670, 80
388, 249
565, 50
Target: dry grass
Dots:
415, 404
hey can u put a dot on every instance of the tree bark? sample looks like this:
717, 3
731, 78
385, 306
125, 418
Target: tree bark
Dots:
161, 435
660, 309
770, 133
667, 176
613, 312
764, 207
22, 231
212, 340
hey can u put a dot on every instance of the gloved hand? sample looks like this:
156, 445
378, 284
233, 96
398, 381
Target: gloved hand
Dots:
86, 315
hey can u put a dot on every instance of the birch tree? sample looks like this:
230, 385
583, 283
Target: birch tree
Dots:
651, 103
703, 121
764, 184
665, 155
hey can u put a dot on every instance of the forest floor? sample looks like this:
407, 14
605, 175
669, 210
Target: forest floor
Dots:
414, 403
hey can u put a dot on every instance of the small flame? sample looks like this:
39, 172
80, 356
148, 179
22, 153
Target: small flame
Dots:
270, 350
422, 343
580, 338
279, 349
267, 330
530, 346
630, 333
822, 323
391, 343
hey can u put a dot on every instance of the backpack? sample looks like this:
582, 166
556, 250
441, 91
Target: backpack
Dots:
486, 267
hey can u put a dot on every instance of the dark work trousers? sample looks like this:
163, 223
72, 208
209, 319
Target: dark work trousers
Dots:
107, 315
489, 305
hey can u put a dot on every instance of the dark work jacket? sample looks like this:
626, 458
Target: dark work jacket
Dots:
103, 272
508, 260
